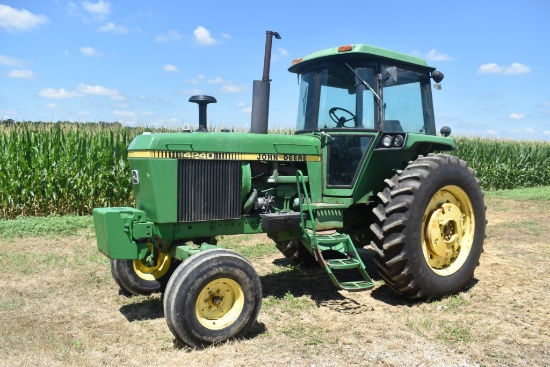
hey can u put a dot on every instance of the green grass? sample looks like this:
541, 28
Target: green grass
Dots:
532, 193
45, 226
242, 245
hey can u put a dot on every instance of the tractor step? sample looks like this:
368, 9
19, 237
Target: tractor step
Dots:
343, 264
337, 268
357, 286
331, 239
318, 242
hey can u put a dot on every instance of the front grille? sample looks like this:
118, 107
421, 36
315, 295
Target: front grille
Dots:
209, 190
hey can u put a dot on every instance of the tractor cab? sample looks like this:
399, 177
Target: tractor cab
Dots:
358, 87
362, 97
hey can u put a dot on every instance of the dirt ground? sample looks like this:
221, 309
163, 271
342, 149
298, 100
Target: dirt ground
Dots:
60, 307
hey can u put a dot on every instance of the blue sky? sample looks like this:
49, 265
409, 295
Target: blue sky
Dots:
138, 61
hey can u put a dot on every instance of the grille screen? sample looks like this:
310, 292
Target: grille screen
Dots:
209, 190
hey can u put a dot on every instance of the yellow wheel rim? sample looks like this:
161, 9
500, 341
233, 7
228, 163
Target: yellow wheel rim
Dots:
219, 303
448, 230
154, 272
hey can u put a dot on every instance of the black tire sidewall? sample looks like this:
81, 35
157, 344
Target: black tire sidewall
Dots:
125, 276
191, 278
449, 173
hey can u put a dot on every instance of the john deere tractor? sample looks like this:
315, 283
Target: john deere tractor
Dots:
361, 170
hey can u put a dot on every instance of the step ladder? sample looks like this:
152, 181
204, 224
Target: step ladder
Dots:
320, 242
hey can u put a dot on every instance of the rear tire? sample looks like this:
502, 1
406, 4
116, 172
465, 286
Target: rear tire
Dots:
212, 296
430, 227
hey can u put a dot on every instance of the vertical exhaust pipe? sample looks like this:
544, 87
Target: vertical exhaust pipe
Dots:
260, 91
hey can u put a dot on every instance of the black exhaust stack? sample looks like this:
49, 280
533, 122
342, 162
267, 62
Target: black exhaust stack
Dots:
260, 91
202, 100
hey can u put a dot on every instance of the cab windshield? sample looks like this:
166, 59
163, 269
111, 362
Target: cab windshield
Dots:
337, 95
344, 100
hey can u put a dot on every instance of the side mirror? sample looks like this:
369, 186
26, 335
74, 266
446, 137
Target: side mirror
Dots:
390, 75
437, 76
445, 131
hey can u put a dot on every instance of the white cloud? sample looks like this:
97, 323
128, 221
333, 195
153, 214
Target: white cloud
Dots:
124, 113
492, 132
112, 27
241, 104
546, 132
282, 52
203, 37
170, 68
528, 130
5, 114
227, 85
52, 106
516, 116
9, 61
191, 91
279, 54
21, 74
99, 10
232, 88
169, 36
90, 52
226, 36
218, 80
493, 68
98, 90
247, 110
199, 78
58, 93
433, 55
13, 20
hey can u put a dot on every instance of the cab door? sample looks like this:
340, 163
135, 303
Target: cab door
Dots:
344, 155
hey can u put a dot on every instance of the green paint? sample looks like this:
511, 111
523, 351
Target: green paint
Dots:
337, 184
358, 50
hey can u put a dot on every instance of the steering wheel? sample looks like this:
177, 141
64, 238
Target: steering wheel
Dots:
340, 121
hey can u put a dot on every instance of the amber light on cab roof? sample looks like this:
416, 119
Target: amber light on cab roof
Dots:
345, 48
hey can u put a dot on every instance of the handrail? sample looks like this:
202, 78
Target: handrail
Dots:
300, 180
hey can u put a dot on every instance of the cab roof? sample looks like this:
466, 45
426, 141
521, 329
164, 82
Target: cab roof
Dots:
357, 51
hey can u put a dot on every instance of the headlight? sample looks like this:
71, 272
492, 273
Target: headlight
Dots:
387, 140
397, 141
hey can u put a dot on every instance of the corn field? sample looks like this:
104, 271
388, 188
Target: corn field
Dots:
71, 168
506, 164
55, 168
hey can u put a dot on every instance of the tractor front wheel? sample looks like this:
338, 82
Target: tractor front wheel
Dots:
430, 227
212, 296
135, 277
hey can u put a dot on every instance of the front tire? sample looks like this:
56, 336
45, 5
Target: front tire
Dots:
430, 227
135, 277
213, 296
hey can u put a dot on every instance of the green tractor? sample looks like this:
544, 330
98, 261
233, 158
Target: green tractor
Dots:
359, 171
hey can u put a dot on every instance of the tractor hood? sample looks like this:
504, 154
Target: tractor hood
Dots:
225, 146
